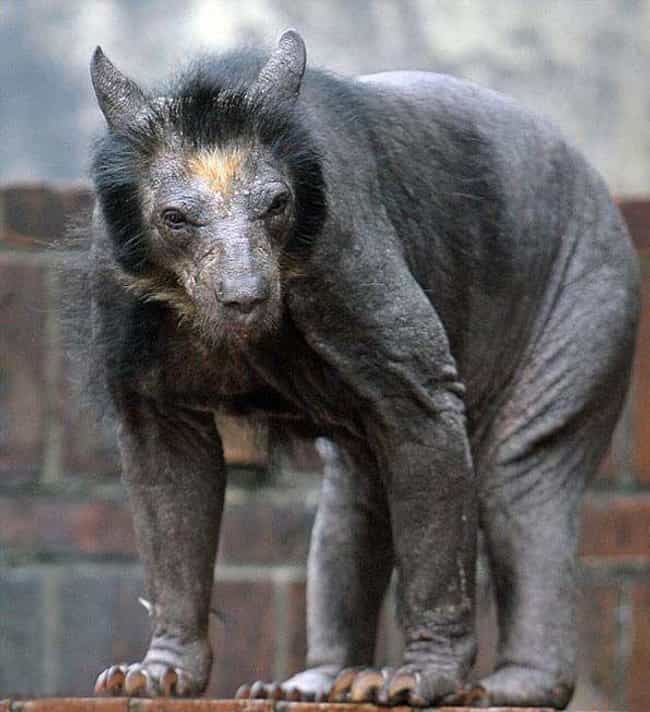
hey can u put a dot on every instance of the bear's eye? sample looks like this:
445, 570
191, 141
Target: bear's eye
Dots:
278, 204
173, 219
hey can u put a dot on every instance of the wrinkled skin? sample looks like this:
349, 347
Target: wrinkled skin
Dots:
460, 331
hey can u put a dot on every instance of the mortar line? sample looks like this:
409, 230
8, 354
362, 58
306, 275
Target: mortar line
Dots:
280, 627
258, 572
53, 369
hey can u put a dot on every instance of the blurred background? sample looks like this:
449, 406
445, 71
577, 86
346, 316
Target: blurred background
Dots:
69, 576
582, 62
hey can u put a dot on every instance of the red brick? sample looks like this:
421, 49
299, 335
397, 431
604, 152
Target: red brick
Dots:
598, 636
641, 382
637, 217
638, 682
76, 704
296, 626
58, 525
259, 531
37, 215
338, 707
22, 375
34, 215
5, 705
170, 705
244, 641
616, 526
100, 527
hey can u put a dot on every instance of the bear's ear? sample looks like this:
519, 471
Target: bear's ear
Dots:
282, 75
119, 98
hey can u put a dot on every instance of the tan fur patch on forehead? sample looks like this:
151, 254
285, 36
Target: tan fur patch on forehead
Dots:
219, 166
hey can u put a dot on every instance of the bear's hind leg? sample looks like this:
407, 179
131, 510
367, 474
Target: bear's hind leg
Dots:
547, 441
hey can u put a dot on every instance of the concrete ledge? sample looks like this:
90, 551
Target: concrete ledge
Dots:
124, 704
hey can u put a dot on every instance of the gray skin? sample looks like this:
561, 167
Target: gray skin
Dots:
467, 360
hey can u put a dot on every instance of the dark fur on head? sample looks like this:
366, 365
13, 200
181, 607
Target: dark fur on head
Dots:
208, 106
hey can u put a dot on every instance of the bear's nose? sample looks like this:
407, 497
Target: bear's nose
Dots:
244, 295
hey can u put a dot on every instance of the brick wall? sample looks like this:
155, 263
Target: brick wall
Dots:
69, 576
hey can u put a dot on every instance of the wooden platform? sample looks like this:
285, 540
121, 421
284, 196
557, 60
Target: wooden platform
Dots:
124, 704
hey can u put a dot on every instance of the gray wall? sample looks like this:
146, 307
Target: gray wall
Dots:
583, 62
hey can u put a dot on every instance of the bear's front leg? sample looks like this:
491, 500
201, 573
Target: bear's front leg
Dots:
386, 343
432, 504
175, 476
